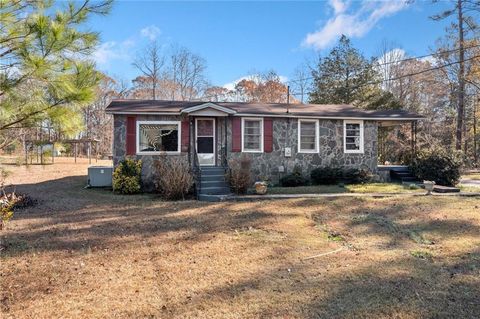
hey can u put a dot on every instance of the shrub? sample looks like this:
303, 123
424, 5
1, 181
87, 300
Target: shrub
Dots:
127, 177
356, 176
173, 177
294, 179
438, 165
334, 175
326, 175
239, 176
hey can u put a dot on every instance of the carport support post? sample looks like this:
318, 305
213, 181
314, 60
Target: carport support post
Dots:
89, 152
414, 137
75, 151
26, 153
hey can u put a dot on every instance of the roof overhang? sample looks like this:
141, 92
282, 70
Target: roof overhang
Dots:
208, 109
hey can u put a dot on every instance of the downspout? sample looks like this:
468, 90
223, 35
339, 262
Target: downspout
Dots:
226, 141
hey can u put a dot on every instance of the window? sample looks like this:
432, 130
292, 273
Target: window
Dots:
252, 135
154, 137
308, 136
353, 136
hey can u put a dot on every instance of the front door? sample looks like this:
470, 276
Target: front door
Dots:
205, 133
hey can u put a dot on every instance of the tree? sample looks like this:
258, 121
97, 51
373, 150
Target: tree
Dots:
265, 87
344, 76
44, 71
150, 63
179, 75
301, 82
98, 124
217, 94
462, 25
187, 73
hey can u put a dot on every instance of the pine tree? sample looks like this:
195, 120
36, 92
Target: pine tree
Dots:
345, 76
44, 70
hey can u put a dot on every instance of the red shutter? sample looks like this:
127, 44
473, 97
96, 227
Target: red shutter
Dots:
267, 135
185, 135
131, 139
236, 134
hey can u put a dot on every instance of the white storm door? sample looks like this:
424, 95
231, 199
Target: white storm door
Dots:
205, 139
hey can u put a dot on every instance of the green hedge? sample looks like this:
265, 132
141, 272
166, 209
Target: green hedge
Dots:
335, 175
438, 165
294, 179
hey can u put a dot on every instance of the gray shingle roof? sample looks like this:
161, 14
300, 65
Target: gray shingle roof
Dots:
267, 109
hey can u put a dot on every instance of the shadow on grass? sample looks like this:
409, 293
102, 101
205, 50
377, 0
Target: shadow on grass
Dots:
69, 217
72, 218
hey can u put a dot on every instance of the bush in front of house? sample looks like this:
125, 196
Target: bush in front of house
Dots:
126, 178
356, 176
173, 178
239, 175
326, 175
294, 179
438, 165
335, 175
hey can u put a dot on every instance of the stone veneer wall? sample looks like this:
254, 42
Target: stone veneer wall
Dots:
119, 146
266, 165
285, 134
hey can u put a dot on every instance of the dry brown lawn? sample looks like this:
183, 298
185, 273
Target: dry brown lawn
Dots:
87, 253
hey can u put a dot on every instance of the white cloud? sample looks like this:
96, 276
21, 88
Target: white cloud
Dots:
112, 50
338, 6
352, 24
231, 85
150, 32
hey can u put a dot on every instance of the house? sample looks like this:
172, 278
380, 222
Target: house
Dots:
276, 137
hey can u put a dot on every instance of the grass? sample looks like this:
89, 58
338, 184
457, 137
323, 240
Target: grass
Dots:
87, 253
473, 176
354, 188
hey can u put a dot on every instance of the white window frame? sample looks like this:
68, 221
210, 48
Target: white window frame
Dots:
260, 119
317, 136
179, 144
359, 151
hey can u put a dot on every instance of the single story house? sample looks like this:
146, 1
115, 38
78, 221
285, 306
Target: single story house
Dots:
277, 137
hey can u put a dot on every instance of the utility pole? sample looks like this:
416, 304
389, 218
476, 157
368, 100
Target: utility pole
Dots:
461, 79
288, 98
475, 151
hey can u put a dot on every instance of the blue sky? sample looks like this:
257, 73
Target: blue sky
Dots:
236, 38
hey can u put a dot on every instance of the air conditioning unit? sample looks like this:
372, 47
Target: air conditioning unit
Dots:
100, 176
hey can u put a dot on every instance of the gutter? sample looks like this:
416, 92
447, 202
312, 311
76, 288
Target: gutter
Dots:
285, 116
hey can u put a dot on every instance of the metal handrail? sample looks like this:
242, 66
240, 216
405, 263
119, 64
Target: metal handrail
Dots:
197, 173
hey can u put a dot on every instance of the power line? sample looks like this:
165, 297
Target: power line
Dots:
438, 67
399, 61
406, 75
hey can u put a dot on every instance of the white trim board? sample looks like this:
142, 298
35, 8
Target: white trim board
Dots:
208, 105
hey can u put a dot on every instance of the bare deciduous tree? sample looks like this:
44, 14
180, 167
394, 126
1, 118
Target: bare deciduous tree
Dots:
150, 62
301, 82
187, 72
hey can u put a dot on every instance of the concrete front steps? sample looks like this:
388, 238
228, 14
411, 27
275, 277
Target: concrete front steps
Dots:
403, 174
213, 186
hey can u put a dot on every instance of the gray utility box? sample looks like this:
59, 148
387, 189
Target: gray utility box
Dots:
100, 176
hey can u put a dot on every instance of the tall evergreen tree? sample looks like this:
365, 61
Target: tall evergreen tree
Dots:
345, 76
44, 69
